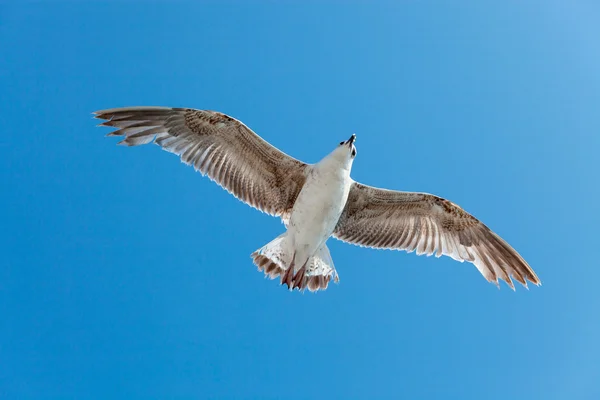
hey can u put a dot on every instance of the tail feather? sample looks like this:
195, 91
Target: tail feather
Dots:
276, 259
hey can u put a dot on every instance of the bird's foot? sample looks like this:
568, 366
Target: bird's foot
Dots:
294, 280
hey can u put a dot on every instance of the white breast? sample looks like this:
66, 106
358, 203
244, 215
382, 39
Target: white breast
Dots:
317, 209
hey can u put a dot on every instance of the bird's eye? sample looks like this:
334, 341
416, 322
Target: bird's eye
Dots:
341, 143
353, 152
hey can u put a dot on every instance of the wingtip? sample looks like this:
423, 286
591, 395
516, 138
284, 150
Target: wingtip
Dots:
101, 115
537, 282
510, 284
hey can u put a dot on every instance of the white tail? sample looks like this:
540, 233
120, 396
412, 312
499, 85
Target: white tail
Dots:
276, 258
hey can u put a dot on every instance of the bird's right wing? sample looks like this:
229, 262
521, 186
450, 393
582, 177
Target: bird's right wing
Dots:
218, 146
388, 219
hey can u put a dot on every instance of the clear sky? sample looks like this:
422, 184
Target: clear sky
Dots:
125, 274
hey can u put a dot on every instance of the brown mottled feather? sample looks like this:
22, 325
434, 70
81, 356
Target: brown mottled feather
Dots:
388, 219
218, 146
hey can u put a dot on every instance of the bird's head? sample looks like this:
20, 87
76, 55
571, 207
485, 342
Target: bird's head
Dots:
345, 152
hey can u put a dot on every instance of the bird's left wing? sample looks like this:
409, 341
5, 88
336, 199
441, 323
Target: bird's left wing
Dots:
388, 219
218, 146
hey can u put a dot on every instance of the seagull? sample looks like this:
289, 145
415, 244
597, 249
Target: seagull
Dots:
316, 201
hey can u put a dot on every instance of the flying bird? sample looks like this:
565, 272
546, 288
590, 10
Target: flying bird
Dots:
316, 201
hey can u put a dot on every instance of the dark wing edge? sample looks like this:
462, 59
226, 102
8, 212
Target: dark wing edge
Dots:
216, 145
428, 224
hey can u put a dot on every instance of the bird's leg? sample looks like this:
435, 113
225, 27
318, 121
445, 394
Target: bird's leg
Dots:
299, 278
287, 277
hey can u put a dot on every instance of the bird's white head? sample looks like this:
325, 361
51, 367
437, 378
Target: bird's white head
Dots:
344, 153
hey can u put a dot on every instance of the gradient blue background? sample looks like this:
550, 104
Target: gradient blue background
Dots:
124, 274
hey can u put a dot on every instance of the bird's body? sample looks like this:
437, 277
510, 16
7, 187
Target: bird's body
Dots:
318, 207
315, 214
316, 201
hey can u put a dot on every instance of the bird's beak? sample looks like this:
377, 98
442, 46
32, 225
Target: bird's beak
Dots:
351, 140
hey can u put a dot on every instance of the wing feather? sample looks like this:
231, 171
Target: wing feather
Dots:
218, 146
429, 225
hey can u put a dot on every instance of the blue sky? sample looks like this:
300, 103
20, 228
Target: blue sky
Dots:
125, 274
